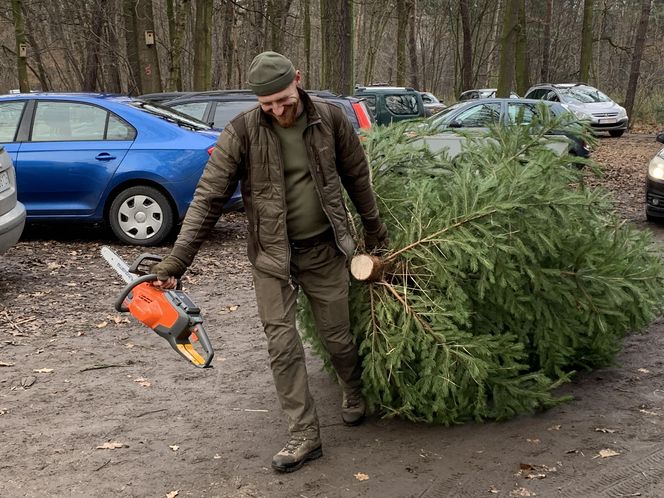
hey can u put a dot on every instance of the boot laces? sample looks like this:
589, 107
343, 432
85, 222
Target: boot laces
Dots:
352, 400
293, 444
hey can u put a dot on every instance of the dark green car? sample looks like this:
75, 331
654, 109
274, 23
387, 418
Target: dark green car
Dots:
389, 104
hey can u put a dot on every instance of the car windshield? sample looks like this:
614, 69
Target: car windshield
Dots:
583, 95
443, 116
170, 115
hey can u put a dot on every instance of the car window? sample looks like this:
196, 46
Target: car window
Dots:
552, 96
370, 101
10, 116
117, 129
583, 95
193, 109
521, 113
538, 93
479, 116
401, 104
226, 111
487, 94
58, 121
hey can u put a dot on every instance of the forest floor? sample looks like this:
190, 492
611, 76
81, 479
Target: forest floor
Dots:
76, 376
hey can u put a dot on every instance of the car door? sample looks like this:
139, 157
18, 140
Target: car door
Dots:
11, 113
69, 156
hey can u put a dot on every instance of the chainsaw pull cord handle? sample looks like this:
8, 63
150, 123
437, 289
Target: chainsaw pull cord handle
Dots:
119, 302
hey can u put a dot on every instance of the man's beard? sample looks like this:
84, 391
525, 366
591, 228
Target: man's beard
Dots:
289, 117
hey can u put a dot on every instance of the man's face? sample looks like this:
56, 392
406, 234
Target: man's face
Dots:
282, 106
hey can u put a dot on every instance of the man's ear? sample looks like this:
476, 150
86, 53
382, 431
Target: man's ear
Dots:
298, 77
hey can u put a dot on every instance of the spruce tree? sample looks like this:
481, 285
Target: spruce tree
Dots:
505, 274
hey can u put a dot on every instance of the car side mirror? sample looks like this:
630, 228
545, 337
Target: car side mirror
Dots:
660, 137
455, 124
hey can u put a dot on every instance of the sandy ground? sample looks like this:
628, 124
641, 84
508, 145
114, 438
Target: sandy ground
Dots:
76, 375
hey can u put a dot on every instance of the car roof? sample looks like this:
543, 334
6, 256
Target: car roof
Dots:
246, 95
383, 88
82, 96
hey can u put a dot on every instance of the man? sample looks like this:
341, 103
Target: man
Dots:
291, 155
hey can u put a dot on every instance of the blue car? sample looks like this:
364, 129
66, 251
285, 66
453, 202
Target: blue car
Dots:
105, 158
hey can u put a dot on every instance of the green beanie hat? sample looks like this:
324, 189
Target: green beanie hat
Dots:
270, 73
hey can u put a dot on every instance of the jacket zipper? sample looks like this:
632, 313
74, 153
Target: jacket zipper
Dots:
283, 202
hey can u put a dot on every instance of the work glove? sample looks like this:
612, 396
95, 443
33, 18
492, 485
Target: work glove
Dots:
375, 238
170, 266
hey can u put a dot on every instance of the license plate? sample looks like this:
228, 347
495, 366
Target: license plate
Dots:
607, 121
4, 181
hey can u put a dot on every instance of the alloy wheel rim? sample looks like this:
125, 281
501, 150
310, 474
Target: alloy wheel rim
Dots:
140, 217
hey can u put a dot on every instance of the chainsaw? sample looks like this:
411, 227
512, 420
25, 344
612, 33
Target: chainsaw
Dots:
170, 313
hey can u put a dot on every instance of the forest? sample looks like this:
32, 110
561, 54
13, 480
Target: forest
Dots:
441, 46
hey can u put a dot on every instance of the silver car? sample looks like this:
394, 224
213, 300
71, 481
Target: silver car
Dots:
12, 212
587, 103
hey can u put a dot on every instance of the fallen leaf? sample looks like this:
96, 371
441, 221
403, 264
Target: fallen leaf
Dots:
129, 345
522, 492
173, 494
533, 441
644, 370
2, 412
233, 308
361, 476
174, 447
494, 490
217, 456
54, 266
607, 452
538, 475
603, 429
3, 364
43, 370
648, 412
71, 284
142, 382
111, 446
28, 381
554, 428
102, 324
115, 319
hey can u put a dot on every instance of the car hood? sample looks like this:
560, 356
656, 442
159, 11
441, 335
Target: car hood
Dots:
596, 107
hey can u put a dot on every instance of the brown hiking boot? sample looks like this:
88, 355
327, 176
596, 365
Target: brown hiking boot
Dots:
298, 451
353, 407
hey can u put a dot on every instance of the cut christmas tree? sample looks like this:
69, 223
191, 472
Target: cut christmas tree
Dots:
504, 276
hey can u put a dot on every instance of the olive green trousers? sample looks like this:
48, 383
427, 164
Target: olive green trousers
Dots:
322, 274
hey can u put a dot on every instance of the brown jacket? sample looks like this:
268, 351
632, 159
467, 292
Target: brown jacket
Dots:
249, 151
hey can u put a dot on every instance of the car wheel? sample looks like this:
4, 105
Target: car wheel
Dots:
654, 219
141, 216
616, 133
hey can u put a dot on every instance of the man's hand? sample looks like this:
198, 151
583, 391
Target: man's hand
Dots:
376, 240
168, 271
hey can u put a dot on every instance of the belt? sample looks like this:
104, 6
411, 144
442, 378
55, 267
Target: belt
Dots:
299, 244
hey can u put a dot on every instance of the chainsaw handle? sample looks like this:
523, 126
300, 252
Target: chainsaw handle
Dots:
182, 347
119, 302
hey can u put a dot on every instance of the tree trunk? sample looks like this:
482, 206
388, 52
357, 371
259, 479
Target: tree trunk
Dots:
412, 44
637, 55
546, 41
36, 52
98, 16
402, 26
337, 45
203, 46
229, 48
21, 61
306, 7
467, 50
507, 44
521, 52
131, 41
586, 41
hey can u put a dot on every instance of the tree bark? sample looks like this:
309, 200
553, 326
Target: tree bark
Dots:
229, 48
467, 50
411, 5
637, 55
546, 41
98, 16
402, 25
586, 41
203, 46
306, 7
507, 44
19, 31
337, 45
131, 42
521, 52
36, 52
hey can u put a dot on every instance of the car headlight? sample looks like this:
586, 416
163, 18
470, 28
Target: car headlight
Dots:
622, 113
656, 167
580, 114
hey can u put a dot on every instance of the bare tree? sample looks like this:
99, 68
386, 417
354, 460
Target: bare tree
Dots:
507, 43
402, 25
546, 41
521, 51
586, 41
337, 45
637, 55
467, 50
203, 45
412, 44
21, 46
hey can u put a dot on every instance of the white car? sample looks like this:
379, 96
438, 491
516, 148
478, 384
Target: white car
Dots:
12, 212
587, 103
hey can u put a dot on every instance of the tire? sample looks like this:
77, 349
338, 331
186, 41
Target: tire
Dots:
654, 219
141, 216
616, 133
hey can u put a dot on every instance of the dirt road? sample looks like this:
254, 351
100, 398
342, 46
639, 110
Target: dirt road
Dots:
75, 375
